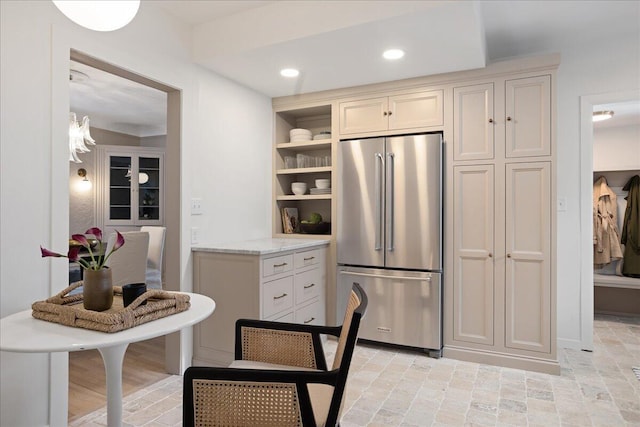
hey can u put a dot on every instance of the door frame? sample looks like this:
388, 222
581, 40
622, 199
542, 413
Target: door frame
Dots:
587, 102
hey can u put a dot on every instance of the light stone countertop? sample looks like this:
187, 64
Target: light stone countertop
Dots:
260, 246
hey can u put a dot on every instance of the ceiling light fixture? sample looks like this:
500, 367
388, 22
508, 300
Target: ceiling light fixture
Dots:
289, 72
99, 15
599, 116
79, 137
392, 54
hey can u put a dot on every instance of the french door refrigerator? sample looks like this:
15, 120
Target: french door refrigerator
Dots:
389, 236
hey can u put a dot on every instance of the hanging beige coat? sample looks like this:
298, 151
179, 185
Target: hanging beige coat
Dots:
606, 237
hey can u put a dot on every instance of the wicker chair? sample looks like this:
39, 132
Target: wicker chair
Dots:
280, 376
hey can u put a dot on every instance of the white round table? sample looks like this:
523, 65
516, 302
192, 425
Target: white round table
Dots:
21, 333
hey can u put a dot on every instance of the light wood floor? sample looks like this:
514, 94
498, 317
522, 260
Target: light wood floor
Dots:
143, 366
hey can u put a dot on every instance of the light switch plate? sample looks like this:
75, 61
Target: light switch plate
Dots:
196, 206
562, 204
195, 235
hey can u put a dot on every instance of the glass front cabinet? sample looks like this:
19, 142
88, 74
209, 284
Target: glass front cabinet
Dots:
132, 194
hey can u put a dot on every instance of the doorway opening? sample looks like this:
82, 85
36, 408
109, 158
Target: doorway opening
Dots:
618, 171
135, 115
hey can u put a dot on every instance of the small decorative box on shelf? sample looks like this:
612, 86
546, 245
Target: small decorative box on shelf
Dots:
68, 309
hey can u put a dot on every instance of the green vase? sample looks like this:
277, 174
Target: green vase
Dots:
97, 290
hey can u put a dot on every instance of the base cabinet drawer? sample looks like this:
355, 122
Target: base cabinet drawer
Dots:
308, 285
277, 265
308, 258
312, 314
277, 296
280, 317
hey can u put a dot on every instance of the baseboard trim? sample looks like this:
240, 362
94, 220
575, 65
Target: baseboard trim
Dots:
545, 366
570, 343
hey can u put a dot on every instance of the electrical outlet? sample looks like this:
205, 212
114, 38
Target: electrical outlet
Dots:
195, 235
196, 206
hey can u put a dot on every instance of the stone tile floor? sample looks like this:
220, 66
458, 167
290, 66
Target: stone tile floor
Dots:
388, 387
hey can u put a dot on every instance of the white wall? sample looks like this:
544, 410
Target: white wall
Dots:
82, 212
609, 66
616, 148
34, 55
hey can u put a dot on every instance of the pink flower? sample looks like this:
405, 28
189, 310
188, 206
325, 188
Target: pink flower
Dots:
94, 261
119, 241
95, 231
47, 252
80, 238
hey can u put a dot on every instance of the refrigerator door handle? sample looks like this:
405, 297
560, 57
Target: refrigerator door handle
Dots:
382, 276
390, 201
379, 160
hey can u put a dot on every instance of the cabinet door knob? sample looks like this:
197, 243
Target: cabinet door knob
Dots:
390, 112
490, 255
490, 120
385, 113
508, 118
508, 255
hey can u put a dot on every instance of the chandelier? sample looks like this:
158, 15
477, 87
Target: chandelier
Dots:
79, 137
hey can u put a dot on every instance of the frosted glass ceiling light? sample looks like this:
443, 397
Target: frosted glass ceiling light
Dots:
599, 116
392, 54
99, 15
79, 137
289, 72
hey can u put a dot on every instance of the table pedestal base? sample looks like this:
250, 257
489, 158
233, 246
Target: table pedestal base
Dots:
113, 358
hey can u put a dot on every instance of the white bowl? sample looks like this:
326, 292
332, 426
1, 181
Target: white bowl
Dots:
323, 183
296, 132
300, 138
299, 188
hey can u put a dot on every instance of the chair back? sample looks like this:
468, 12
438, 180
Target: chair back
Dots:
356, 308
129, 263
154, 257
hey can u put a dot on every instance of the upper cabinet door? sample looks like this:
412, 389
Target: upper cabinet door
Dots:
528, 117
473, 122
415, 110
368, 115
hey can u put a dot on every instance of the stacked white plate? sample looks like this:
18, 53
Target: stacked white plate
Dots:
320, 191
299, 135
322, 135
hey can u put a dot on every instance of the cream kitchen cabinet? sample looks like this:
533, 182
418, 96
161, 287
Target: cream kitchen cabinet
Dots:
399, 112
272, 279
473, 122
522, 116
474, 290
500, 293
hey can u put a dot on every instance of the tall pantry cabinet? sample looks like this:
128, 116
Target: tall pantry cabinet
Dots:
500, 292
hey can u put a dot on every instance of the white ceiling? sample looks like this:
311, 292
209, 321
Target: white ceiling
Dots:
339, 43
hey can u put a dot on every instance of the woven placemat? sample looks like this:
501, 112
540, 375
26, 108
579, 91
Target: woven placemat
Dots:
69, 311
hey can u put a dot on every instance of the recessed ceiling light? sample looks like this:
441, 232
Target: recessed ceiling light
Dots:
392, 54
599, 116
289, 72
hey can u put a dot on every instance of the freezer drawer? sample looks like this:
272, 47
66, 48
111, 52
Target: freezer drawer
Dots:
404, 307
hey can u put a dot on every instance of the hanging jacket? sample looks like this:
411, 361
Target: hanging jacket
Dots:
631, 229
606, 237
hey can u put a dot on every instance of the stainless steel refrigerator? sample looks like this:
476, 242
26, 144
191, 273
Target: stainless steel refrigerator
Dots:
390, 234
